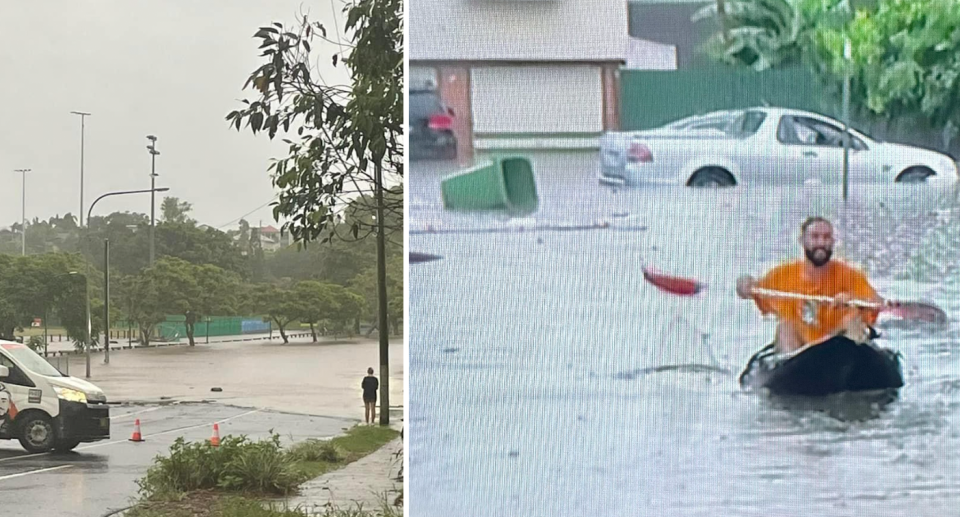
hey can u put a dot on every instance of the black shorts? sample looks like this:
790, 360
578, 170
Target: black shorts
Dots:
369, 397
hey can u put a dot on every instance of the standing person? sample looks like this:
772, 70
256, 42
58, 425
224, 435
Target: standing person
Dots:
370, 385
803, 323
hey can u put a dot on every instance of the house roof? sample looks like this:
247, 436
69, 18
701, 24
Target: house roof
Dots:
269, 229
517, 30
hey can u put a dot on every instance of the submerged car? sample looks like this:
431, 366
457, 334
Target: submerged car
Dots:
774, 146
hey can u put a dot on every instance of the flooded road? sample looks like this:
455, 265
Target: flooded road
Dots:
542, 365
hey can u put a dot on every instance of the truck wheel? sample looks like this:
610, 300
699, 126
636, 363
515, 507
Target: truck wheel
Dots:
36, 433
66, 445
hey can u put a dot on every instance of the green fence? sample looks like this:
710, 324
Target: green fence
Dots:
175, 327
652, 98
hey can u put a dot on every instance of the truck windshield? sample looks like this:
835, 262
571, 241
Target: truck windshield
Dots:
30, 360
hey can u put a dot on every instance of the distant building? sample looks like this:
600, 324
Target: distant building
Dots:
271, 239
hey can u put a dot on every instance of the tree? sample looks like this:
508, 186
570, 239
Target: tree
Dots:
64, 282
37, 286
348, 308
316, 302
345, 133
175, 211
365, 283
905, 61
280, 305
191, 290
764, 34
142, 304
199, 246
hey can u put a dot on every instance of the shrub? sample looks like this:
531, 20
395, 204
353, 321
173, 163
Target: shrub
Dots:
316, 450
236, 465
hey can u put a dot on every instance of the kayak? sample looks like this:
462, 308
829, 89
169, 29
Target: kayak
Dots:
835, 366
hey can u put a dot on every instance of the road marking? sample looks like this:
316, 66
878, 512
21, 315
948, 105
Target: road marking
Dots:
39, 471
118, 417
103, 444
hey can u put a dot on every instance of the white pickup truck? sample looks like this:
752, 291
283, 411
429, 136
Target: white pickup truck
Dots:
774, 146
45, 409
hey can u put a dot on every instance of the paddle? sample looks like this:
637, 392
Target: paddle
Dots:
903, 309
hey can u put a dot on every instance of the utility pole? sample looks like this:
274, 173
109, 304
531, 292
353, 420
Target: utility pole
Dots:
23, 210
384, 330
83, 120
152, 147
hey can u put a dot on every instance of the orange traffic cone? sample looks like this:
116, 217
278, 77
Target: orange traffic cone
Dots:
137, 437
215, 441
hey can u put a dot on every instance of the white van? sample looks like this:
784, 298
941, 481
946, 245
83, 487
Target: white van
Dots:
45, 409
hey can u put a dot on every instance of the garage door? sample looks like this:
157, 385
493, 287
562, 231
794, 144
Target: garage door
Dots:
537, 100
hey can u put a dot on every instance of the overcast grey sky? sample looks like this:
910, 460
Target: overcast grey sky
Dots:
171, 68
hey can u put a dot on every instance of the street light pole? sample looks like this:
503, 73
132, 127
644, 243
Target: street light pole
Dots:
23, 210
152, 147
89, 213
106, 301
83, 120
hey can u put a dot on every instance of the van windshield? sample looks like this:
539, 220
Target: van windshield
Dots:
30, 360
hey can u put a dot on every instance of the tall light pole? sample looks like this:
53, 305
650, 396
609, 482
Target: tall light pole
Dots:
106, 272
152, 147
23, 210
83, 120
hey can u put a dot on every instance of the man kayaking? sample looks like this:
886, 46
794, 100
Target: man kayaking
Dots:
802, 322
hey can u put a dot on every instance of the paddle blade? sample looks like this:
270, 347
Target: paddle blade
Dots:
672, 284
917, 311
416, 258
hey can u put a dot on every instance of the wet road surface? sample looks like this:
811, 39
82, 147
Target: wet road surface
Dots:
101, 476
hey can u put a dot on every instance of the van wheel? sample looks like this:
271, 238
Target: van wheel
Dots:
36, 433
66, 445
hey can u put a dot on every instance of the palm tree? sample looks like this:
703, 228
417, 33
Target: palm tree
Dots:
759, 34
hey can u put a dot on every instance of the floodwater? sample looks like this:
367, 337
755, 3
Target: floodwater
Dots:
542, 379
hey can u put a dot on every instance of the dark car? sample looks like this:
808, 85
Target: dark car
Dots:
431, 127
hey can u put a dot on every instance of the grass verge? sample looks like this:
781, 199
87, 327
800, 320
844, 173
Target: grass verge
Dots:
208, 504
198, 480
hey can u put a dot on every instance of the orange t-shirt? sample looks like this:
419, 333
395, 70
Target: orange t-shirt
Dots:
814, 320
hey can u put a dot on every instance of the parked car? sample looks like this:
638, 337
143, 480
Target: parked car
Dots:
763, 146
431, 127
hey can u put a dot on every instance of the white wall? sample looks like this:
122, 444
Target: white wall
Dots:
650, 55
545, 30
